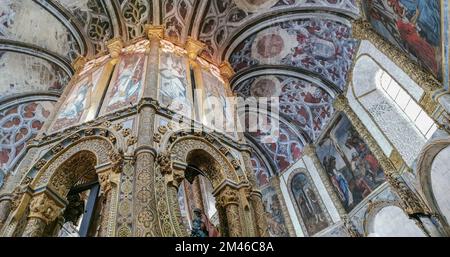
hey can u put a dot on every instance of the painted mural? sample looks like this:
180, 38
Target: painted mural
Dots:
283, 147
18, 125
215, 88
318, 45
308, 203
28, 22
412, 25
22, 73
174, 89
306, 103
262, 173
78, 103
350, 165
127, 83
225, 18
274, 213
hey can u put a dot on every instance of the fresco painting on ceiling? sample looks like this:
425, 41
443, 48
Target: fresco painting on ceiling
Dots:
308, 203
174, 91
18, 125
318, 45
274, 213
78, 103
261, 171
127, 83
283, 146
306, 103
350, 165
412, 25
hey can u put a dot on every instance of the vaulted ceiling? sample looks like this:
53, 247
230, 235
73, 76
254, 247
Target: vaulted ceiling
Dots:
56, 31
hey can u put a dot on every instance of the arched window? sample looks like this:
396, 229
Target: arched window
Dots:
440, 182
391, 221
388, 105
406, 104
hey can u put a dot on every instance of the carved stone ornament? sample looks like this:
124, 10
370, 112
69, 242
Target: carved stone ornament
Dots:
117, 161
228, 196
165, 163
44, 208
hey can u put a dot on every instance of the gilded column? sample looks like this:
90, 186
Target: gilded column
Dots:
362, 29
146, 223
310, 151
255, 198
43, 211
229, 200
197, 192
411, 203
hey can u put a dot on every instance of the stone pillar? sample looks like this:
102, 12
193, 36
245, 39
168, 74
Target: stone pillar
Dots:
255, 198
310, 151
5, 208
362, 30
197, 192
411, 203
146, 221
43, 211
229, 200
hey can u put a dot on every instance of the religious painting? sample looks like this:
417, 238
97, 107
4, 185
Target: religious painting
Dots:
309, 205
216, 93
352, 168
412, 25
128, 82
174, 89
319, 45
79, 102
274, 214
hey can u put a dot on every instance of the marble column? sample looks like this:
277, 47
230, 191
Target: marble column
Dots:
43, 211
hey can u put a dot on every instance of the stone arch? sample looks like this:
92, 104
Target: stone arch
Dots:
425, 166
57, 171
408, 226
231, 187
324, 212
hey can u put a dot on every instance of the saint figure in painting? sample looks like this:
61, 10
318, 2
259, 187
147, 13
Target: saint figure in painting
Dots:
78, 101
340, 183
128, 84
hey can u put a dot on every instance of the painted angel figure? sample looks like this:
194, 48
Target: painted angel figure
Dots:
78, 102
128, 83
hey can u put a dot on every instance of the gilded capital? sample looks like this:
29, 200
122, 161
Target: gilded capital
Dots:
228, 196
78, 63
45, 208
115, 46
341, 103
155, 31
226, 70
194, 48
310, 150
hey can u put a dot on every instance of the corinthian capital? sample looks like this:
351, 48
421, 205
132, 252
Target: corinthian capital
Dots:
45, 208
